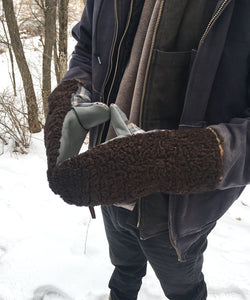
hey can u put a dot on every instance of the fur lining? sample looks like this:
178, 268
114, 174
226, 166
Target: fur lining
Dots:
170, 161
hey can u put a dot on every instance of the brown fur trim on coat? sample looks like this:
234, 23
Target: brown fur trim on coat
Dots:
170, 161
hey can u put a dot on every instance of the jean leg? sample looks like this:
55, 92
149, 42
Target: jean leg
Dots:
179, 280
125, 254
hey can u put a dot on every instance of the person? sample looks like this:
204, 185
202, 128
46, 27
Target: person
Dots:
169, 154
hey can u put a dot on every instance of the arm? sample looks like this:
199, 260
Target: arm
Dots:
133, 166
80, 66
235, 138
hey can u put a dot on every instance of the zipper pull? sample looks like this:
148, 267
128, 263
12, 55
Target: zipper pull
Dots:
99, 60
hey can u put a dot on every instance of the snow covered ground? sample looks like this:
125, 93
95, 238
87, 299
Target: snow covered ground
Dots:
52, 251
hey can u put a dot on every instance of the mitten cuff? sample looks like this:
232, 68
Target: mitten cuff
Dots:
59, 104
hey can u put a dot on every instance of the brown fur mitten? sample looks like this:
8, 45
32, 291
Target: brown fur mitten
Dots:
124, 169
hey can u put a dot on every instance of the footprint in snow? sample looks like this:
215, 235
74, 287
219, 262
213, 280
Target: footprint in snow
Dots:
49, 292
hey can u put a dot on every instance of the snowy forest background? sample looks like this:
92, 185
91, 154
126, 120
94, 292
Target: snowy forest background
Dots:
48, 249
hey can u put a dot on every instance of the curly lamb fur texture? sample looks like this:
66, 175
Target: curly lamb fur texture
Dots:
59, 104
170, 161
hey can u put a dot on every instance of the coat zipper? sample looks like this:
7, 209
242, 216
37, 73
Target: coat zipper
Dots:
144, 89
117, 60
96, 50
112, 51
212, 21
110, 68
119, 49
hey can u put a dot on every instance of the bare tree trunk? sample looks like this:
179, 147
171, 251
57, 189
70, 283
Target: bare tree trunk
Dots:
17, 47
49, 40
63, 36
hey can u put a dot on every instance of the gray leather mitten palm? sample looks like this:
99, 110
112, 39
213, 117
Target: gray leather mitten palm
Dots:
76, 125
140, 163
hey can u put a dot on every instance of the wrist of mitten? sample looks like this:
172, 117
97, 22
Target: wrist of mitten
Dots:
174, 162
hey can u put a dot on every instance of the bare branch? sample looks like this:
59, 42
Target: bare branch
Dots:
14, 122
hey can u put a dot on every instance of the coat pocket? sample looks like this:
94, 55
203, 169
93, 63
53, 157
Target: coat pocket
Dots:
166, 88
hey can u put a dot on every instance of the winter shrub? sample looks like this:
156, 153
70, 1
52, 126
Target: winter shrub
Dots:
14, 130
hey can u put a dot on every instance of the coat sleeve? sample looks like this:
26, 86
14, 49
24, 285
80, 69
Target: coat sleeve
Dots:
235, 138
80, 66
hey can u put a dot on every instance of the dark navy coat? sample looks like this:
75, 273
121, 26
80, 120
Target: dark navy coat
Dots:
217, 95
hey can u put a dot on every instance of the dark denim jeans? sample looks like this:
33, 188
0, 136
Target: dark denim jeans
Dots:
129, 255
